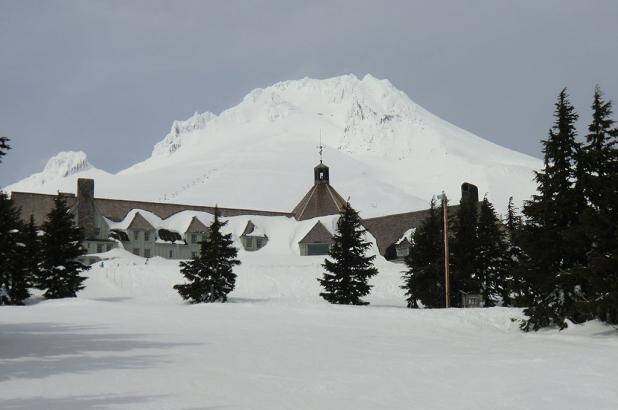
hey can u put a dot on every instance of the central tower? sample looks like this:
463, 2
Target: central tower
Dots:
322, 199
320, 174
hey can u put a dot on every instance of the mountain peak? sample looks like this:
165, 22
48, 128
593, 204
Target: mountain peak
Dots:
65, 164
387, 153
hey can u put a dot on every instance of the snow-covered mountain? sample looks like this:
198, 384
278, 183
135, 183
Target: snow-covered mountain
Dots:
385, 152
59, 170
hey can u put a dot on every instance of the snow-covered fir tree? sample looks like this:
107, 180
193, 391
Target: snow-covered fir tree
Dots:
348, 269
491, 265
210, 274
599, 183
516, 292
424, 279
11, 271
465, 250
552, 237
30, 253
61, 245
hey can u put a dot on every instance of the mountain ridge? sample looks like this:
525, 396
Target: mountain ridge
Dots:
386, 152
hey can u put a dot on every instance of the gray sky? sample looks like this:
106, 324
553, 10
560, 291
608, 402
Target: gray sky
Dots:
109, 77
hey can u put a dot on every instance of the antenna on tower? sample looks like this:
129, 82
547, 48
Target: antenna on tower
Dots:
321, 147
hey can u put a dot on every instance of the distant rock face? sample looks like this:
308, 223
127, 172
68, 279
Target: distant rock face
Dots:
62, 165
173, 140
386, 153
66, 163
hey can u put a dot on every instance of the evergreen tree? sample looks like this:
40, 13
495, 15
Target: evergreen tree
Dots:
345, 279
10, 236
424, 280
465, 250
516, 291
61, 245
30, 254
491, 264
210, 274
599, 182
4, 146
551, 237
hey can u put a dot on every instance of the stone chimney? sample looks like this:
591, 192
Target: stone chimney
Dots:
85, 207
469, 192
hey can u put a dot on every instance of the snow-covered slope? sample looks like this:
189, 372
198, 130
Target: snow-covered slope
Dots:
60, 174
129, 342
385, 152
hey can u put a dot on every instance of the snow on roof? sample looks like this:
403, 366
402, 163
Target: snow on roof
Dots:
178, 222
407, 235
283, 232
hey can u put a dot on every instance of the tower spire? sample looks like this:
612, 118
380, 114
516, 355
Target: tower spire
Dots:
321, 147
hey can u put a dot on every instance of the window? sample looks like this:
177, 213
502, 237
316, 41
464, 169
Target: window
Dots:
194, 237
136, 235
136, 251
171, 254
146, 253
249, 242
258, 243
317, 248
99, 247
193, 254
146, 235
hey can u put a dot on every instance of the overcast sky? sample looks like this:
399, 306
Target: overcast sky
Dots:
109, 77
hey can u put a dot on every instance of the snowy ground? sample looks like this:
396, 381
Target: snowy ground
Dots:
128, 342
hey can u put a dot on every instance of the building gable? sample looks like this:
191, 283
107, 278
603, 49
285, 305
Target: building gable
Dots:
196, 226
140, 223
317, 234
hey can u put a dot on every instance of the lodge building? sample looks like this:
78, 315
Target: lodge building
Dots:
175, 231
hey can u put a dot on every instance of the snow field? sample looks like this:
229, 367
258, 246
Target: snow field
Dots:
129, 342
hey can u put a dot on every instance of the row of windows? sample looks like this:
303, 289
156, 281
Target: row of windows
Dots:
103, 247
195, 237
253, 243
148, 253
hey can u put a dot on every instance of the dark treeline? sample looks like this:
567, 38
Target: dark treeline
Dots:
559, 259
44, 258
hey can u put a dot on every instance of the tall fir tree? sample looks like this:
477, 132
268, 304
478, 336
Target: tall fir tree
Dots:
210, 274
552, 238
465, 250
31, 253
349, 269
490, 260
424, 279
516, 292
599, 182
61, 246
10, 245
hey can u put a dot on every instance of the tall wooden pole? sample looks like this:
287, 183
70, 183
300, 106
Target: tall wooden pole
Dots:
447, 289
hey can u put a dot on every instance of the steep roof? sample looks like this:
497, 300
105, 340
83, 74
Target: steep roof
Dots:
390, 228
139, 222
317, 234
248, 229
39, 205
197, 226
321, 200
